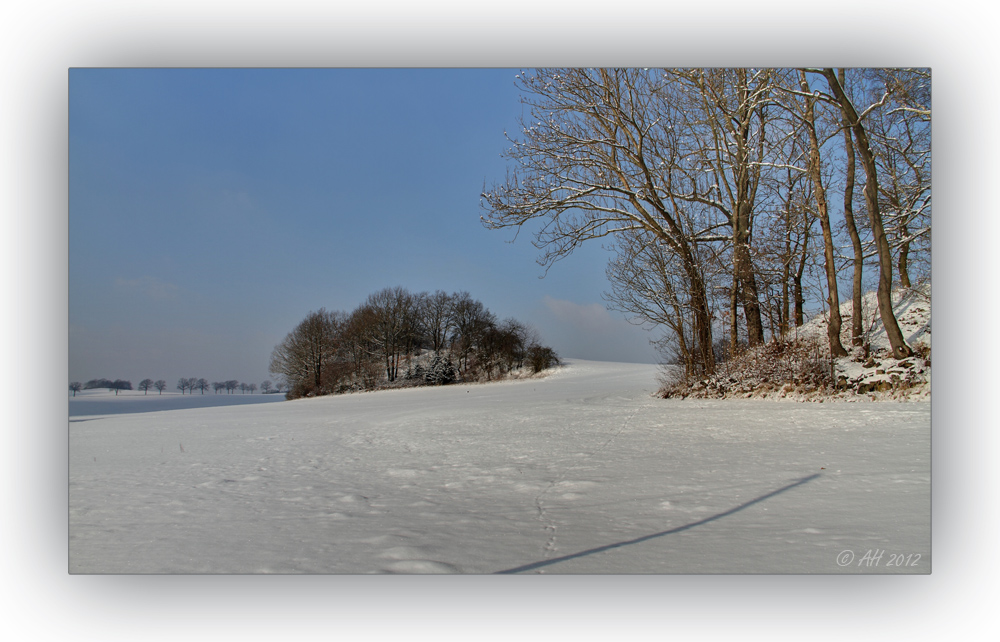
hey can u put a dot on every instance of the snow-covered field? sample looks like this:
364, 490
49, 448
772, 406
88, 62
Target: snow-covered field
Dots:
578, 472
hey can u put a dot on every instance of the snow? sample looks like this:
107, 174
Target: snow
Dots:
912, 308
583, 471
790, 370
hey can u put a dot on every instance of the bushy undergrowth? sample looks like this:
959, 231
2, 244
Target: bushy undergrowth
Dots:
774, 366
800, 367
797, 370
428, 368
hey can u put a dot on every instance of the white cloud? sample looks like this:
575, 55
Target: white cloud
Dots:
592, 317
590, 331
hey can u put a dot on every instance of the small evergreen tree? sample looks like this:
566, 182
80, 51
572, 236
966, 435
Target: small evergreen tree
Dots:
441, 371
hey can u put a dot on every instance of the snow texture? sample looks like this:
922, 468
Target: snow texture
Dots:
582, 471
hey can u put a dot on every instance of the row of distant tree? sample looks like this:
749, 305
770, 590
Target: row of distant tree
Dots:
396, 335
188, 385
116, 385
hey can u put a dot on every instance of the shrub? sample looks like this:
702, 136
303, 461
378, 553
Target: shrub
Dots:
541, 358
797, 362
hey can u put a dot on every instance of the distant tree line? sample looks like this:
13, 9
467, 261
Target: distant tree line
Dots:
188, 385
116, 385
399, 338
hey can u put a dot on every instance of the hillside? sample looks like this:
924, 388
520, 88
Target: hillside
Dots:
801, 369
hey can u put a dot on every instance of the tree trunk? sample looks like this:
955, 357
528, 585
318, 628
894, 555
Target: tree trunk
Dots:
682, 347
904, 252
743, 220
702, 322
786, 267
747, 282
899, 348
800, 300
857, 322
734, 319
819, 192
700, 311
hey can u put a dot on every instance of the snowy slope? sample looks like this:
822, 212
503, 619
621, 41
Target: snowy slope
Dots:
580, 472
800, 368
912, 308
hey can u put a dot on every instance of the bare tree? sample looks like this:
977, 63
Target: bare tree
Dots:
160, 385
900, 133
435, 312
470, 320
726, 117
819, 195
99, 383
604, 152
360, 347
392, 325
518, 337
862, 145
858, 261
145, 385
200, 384
648, 284
76, 386
305, 358
265, 386
502, 347
787, 233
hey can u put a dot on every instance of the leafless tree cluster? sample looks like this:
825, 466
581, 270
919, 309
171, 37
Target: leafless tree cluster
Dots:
116, 385
381, 341
192, 384
709, 184
229, 386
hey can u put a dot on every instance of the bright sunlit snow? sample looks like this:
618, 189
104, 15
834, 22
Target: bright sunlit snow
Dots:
582, 471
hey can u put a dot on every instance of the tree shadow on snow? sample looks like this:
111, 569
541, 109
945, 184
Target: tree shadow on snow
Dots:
638, 540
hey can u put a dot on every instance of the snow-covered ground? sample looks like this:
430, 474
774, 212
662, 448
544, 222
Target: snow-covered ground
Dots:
582, 471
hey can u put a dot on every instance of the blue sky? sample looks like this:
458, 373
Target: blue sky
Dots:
211, 209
